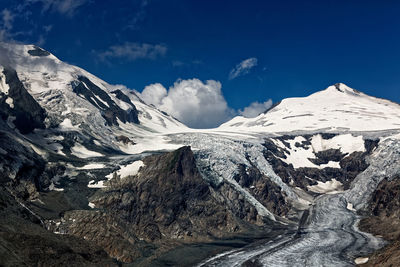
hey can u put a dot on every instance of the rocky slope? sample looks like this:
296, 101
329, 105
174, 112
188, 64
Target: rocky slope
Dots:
166, 202
384, 220
24, 241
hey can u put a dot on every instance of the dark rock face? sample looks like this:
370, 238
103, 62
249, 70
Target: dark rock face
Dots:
38, 52
263, 189
110, 111
24, 242
120, 95
384, 210
124, 139
165, 204
384, 219
23, 239
323, 157
169, 199
114, 235
27, 112
350, 165
237, 204
20, 167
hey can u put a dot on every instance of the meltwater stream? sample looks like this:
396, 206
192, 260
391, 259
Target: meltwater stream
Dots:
330, 236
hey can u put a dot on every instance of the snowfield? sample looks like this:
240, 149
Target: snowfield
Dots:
339, 107
80, 151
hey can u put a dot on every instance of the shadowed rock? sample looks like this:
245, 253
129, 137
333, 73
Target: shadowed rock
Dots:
27, 112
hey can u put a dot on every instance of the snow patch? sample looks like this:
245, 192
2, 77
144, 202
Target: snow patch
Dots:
350, 206
150, 143
92, 166
10, 102
4, 87
102, 101
80, 151
299, 156
347, 143
38, 151
325, 187
128, 170
93, 184
66, 124
361, 260
52, 187
97, 143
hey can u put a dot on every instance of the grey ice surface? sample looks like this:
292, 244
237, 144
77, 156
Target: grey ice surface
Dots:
330, 236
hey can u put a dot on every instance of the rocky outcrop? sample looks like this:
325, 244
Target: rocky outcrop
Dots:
168, 199
38, 52
263, 189
20, 167
165, 204
384, 220
106, 230
18, 105
100, 99
350, 165
25, 242
124, 139
23, 239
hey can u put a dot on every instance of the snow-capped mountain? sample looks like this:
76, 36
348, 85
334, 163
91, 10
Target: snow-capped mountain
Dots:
77, 101
337, 108
91, 160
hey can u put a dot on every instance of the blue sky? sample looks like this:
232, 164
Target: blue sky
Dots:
292, 48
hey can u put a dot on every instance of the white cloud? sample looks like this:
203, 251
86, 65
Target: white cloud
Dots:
195, 103
255, 108
243, 68
7, 18
154, 94
133, 51
65, 7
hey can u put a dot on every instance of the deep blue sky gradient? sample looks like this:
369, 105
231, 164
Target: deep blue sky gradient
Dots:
301, 46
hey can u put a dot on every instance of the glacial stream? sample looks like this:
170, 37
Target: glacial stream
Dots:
329, 236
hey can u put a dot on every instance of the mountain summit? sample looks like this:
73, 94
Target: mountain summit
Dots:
337, 108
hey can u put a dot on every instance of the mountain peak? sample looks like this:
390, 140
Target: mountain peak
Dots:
343, 88
337, 108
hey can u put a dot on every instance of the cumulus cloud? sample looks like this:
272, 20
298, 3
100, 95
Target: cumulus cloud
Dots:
255, 108
7, 18
65, 7
133, 51
243, 68
197, 104
154, 94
